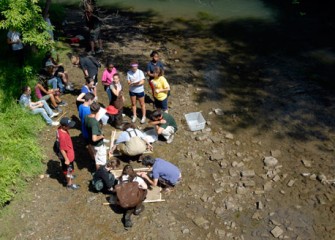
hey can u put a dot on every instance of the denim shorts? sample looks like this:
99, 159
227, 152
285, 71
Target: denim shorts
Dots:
162, 104
138, 95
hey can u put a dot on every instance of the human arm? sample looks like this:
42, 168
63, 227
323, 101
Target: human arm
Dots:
96, 138
80, 98
34, 105
67, 161
104, 78
157, 122
152, 182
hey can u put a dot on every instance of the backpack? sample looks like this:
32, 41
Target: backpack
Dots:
129, 194
98, 183
135, 146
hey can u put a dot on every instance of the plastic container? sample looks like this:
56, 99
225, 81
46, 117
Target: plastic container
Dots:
195, 121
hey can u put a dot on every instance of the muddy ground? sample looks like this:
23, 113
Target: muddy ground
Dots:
271, 106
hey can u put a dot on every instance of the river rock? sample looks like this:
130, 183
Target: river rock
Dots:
277, 231
270, 161
221, 233
201, 222
248, 173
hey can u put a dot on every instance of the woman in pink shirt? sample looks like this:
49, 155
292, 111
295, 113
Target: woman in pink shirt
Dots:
107, 78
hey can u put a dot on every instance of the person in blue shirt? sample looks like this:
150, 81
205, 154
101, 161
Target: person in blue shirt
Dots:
163, 172
84, 109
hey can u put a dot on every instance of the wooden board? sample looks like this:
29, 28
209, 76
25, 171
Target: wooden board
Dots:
154, 194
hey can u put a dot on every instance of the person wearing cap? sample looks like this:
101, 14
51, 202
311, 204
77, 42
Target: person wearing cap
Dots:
66, 155
107, 78
40, 107
136, 79
95, 136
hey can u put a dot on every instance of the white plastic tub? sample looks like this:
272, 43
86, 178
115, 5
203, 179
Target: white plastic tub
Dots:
195, 121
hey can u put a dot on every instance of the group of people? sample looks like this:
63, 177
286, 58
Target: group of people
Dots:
131, 141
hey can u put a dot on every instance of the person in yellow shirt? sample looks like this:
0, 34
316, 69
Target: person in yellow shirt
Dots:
161, 89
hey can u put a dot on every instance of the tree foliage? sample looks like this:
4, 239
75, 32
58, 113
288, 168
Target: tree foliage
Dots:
25, 16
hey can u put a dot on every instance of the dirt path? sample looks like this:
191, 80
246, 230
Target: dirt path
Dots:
227, 191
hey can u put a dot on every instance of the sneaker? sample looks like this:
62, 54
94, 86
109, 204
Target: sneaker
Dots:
58, 110
170, 139
106, 140
139, 210
71, 176
133, 119
128, 223
73, 187
54, 115
62, 103
143, 120
55, 123
100, 51
69, 88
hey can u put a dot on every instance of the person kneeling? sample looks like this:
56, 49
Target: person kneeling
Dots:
131, 192
103, 178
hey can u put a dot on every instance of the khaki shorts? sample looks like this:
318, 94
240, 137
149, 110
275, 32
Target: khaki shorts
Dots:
100, 155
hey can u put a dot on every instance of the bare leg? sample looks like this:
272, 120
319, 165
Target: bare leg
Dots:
142, 103
133, 104
53, 100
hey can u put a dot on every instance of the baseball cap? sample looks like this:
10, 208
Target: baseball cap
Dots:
111, 110
65, 121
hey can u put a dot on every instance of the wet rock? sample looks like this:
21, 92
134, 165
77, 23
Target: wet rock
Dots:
275, 153
306, 163
248, 173
277, 231
270, 161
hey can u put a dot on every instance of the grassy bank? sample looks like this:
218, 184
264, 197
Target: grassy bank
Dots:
20, 153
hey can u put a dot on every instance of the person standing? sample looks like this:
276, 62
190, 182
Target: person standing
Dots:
66, 154
151, 67
84, 110
14, 39
136, 79
94, 25
161, 90
107, 78
95, 136
40, 107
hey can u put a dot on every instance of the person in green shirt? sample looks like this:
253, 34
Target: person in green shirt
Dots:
95, 136
165, 124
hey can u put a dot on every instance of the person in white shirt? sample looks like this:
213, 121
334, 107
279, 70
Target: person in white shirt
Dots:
136, 80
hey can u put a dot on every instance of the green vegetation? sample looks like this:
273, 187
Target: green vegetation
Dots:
20, 152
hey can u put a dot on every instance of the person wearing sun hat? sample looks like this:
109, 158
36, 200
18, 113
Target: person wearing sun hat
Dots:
113, 114
66, 152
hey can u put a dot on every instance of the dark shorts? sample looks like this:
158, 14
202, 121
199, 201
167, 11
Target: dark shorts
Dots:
65, 167
162, 104
95, 34
138, 95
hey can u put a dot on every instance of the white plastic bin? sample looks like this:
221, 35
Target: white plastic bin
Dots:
195, 121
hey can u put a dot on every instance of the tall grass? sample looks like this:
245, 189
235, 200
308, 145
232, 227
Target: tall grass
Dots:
20, 152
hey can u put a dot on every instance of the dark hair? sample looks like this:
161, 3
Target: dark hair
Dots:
153, 53
48, 54
128, 125
95, 107
134, 61
109, 62
159, 71
24, 88
156, 114
148, 161
128, 170
113, 163
89, 96
116, 74
88, 80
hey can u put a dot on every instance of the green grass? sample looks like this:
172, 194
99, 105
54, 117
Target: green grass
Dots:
20, 152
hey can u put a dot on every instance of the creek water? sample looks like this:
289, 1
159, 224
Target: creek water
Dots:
189, 9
